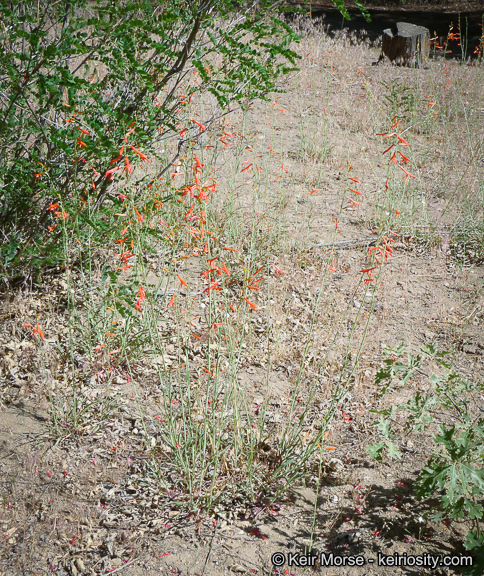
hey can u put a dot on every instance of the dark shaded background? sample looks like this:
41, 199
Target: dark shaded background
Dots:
437, 16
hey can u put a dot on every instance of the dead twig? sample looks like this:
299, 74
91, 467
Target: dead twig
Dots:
108, 573
346, 243
209, 550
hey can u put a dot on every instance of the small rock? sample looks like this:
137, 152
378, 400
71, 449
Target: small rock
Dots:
470, 349
162, 359
238, 568
336, 465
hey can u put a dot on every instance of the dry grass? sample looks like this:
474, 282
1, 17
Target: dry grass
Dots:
208, 418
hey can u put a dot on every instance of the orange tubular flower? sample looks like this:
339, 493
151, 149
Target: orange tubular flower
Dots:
213, 286
278, 270
140, 216
200, 126
225, 269
255, 274
142, 296
367, 270
253, 306
115, 159
111, 172
388, 149
407, 173
182, 282
37, 331
140, 154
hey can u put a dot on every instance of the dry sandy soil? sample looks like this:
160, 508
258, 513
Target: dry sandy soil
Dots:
88, 505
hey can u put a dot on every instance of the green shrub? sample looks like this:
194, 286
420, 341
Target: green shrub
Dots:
455, 470
90, 90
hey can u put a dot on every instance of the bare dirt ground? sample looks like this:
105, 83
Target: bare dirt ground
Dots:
89, 505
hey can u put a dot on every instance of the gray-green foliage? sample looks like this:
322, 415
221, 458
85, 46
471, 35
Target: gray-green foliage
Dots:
456, 468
